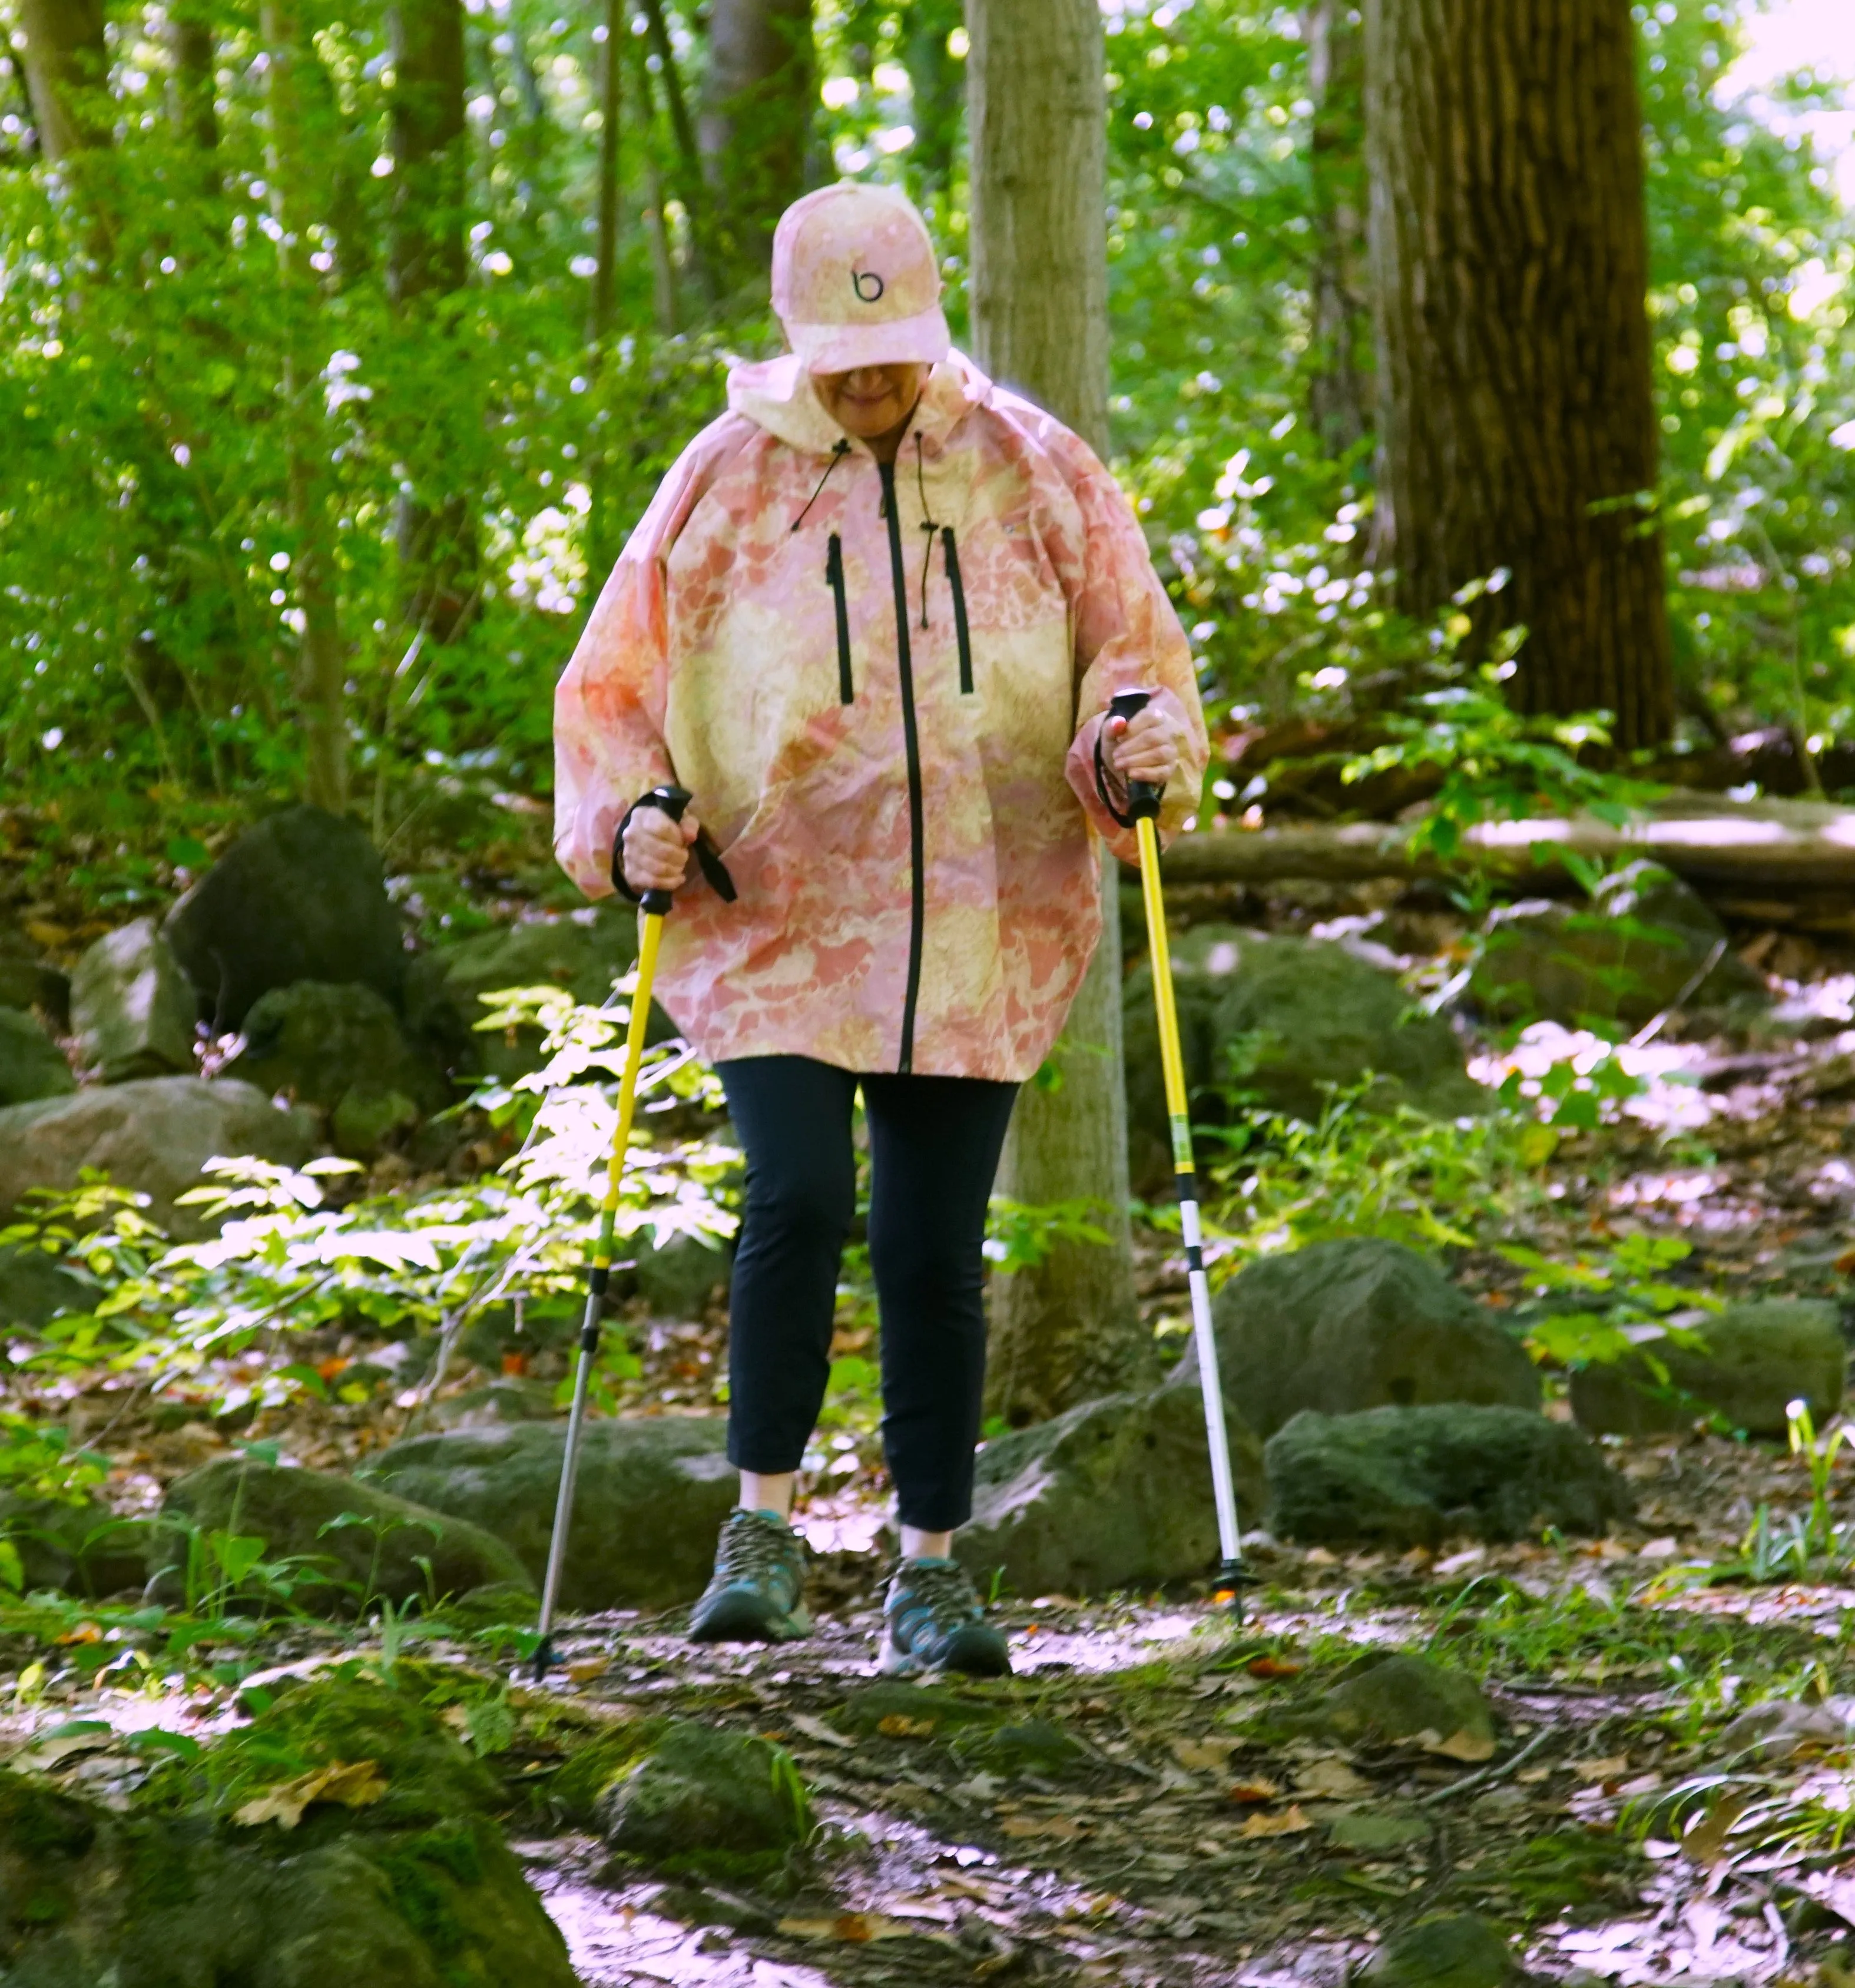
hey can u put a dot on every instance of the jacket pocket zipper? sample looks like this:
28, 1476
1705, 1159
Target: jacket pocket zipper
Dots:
833, 572
959, 609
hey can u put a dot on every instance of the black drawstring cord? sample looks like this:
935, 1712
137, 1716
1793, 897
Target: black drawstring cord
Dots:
928, 526
837, 456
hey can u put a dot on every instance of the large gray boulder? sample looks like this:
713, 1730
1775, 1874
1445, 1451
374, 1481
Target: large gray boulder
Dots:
584, 953
1757, 1359
1287, 1020
133, 1009
299, 897
352, 1541
82, 1547
1406, 1477
649, 1500
1116, 1493
27, 981
1646, 941
338, 1046
152, 1136
35, 1287
1357, 1323
32, 1065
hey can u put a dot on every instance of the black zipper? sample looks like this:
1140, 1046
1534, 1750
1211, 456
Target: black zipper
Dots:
904, 661
833, 572
959, 609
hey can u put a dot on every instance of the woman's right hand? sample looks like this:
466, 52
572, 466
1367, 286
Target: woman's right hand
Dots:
657, 849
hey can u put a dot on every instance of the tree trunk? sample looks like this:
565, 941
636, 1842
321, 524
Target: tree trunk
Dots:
191, 99
322, 666
692, 188
425, 264
756, 121
663, 264
1069, 1328
1339, 390
1508, 263
601, 551
67, 74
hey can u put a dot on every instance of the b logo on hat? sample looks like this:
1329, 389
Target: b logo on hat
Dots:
868, 285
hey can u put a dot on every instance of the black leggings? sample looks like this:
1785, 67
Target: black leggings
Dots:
935, 1143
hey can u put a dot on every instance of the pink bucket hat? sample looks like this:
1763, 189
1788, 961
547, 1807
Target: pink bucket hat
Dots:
855, 281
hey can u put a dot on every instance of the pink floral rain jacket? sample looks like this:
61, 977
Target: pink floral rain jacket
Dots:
883, 687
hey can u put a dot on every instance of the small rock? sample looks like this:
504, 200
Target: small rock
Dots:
1397, 1696
897, 1710
1030, 1746
1355, 1323
1376, 1832
1636, 949
1114, 1493
152, 1136
650, 1497
132, 1008
1405, 1477
356, 1540
1758, 1358
81, 1549
702, 1798
32, 1065
1779, 1728
299, 897
683, 1278
35, 1287
1460, 1952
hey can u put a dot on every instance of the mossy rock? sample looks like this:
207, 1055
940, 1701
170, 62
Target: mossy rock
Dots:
1462, 1951
1025, 1747
81, 1549
578, 1790
350, 1540
708, 1802
1399, 1696
916, 1712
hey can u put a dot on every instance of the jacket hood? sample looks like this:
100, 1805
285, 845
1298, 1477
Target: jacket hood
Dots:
777, 395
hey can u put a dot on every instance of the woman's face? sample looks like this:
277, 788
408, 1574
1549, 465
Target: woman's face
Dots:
872, 401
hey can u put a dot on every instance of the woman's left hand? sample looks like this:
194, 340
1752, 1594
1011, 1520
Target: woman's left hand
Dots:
1148, 746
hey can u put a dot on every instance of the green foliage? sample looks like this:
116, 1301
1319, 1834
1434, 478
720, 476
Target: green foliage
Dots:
1611, 1303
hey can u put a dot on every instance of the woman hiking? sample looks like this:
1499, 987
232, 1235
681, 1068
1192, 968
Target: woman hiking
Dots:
871, 621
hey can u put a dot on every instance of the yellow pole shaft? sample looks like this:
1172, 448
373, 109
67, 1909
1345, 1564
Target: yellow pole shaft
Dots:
1172, 1061
627, 1085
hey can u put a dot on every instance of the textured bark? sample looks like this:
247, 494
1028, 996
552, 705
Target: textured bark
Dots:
425, 263
1069, 1328
1339, 390
190, 48
756, 121
321, 664
1509, 264
67, 74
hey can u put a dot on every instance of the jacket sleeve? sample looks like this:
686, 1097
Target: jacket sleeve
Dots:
1127, 637
609, 705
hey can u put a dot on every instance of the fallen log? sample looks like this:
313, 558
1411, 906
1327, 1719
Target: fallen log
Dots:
1772, 855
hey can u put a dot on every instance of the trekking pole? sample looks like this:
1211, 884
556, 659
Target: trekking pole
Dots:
655, 904
1144, 807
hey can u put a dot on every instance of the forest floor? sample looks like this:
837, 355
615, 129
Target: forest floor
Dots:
1186, 1824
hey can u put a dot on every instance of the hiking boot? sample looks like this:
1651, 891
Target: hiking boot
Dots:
932, 1622
754, 1595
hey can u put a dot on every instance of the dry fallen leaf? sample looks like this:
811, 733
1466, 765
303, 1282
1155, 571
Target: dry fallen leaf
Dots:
857, 1927
1201, 1755
1247, 1793
1605, 1769
85, 1632
587, 1669
1462, 1746
899, 1725
1272, 1667
1290, 1822
1063, 1828
1531, 1777
1705, 1843
1330, 1781
354, 1784
816, 1728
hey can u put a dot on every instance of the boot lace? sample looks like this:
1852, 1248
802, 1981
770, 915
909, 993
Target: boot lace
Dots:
944, 1593
752, 1548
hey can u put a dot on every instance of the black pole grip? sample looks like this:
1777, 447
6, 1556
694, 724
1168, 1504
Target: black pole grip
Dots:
672, 801
1142, 795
